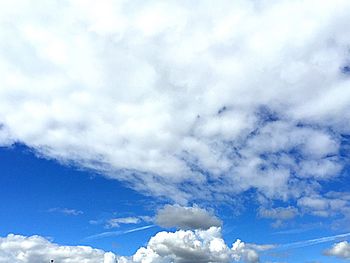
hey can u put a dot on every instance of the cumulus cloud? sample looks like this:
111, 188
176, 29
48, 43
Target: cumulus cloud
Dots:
340, 250
20, 249
202, 246
186, 217
180, 99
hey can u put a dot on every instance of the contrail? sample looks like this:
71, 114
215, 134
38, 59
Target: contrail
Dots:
117, 233
311, 242
138, 229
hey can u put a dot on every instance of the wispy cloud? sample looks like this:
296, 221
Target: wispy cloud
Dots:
66, 211
119, 221
311, 242
117, 233
115, 222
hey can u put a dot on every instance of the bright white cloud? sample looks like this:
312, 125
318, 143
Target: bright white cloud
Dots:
186, 217
202, 246
180, 99
20, 249
340, 250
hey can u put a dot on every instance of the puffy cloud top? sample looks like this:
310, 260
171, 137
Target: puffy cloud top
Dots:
340, 250
180, 99
20, 249
186, 217
201, 246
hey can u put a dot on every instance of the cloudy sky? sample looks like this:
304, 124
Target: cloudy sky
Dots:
174, 131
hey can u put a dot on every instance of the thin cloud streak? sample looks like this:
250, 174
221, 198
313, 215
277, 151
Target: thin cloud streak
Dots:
311, 242
117, 233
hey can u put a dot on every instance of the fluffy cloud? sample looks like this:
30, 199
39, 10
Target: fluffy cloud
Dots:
340, 250
180, 99
186, 217
20, 249
202, 246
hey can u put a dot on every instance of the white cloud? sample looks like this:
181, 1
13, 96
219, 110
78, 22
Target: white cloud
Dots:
20, 249
331, 204
280, 214
340, 250
283, 213
117, 233
165, 247
115, 222
186, 217
202, 246
178, 99
66, 211
311, 242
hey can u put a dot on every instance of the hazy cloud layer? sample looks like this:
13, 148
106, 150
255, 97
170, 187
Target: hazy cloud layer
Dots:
186, 217
180, 99
283, 213
279, 214
20, 249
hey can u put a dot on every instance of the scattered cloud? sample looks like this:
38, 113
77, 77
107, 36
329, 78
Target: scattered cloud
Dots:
280, 214
332, 204
66, 211
20, 249
186, 217
115, 222
340, 250
283, 213
176, 108
118, 221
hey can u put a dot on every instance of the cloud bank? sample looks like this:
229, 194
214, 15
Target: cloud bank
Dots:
178, 99
20, 249
165, 247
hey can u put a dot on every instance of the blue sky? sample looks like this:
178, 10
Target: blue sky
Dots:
36, 193
173, 131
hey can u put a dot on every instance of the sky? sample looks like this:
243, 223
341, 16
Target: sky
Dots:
174, 131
